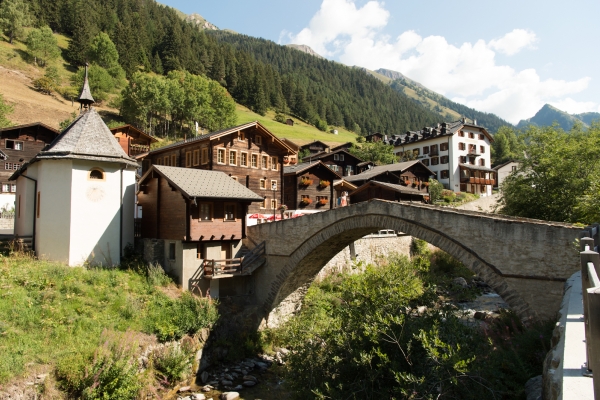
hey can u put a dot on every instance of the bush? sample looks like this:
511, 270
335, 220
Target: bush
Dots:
111, 373
43, 85
173, 362
435, 190
171, 319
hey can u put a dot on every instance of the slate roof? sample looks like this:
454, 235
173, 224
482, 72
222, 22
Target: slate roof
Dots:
324, 154
300, 168
203, 183
396, 188
441, 130
85, 97
11, 128
223, 132
378, 170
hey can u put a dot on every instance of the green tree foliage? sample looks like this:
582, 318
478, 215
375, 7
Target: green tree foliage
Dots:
435, 190
154, 101
506, 146
42, 45
14, 15
557, 179
103, 51
378, 152
5, 109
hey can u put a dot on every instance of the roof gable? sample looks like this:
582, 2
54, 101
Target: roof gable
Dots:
128, 128
202, 183
308, 166
397, 167
321, 155
389, 186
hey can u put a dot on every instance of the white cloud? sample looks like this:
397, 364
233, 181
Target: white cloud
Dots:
468, 73
514, 41
575, 107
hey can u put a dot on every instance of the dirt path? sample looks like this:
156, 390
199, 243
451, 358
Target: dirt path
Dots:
483, 204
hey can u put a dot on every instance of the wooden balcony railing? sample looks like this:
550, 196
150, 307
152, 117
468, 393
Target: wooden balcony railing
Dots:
233, 266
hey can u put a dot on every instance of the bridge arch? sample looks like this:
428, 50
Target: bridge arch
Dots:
298, 249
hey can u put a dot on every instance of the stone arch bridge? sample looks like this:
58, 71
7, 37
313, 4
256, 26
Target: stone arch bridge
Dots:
525, 261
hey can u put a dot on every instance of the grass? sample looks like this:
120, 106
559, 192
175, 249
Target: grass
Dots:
54, 315
300, 130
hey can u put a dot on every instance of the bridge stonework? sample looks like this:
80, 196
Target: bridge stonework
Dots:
525, 261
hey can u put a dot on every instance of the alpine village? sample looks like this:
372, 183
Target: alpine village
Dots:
191, 213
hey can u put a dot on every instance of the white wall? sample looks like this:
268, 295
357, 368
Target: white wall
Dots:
54, 223
505, 171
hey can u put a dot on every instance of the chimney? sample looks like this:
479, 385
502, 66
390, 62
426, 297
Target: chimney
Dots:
474, 122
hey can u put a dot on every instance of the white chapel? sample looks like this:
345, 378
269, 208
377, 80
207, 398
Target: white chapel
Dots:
75, 199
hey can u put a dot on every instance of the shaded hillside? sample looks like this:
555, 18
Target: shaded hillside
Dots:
548, 115
446, 108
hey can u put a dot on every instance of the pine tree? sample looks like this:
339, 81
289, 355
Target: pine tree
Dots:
42, 45
14, 15
83, 32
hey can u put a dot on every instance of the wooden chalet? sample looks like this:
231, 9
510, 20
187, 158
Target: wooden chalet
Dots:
343, 146
340, 161
412, 174
387, 191
199, 216
292, 158
309, 186
249, 154
289, 122
132, 140
315, 147
375, 137
19, 144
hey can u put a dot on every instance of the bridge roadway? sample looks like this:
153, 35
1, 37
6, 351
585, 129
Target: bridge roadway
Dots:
525, 261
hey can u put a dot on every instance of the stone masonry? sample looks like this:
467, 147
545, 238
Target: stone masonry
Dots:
525, 261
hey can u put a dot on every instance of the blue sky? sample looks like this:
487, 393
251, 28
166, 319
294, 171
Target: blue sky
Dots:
508, 57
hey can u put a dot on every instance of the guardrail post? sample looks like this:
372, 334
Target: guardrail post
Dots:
586, 257
593, 310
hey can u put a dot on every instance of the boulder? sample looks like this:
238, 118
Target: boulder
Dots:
249, 383
229, 396
460, 281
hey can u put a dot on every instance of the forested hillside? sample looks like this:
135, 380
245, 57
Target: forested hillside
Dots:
259, 74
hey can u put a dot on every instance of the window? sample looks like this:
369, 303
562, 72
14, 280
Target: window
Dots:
472, 149
274, 163
444, 160
5, 187
171, 251
205, 212
158, 161
96, 174
196, 158
336, 157
241, 136
173, 160
462, 159
274, 204
482, 162
341, 157
433, 150
334, 167
462, 146
264, 161
425, 162
263, 184
416, 152
188, 159
232, 157
481, 137
254, 161
166, 161
443, 146
221, 156
265, 203
435, 160
482, 149
322, 200
7, 165
200, 251
471, 135
258, 140
14, 144
349, 170
514, 168
244, 159
461, 133
273, 185
205, 155
229, 211
426, 150
444, 174
305, 199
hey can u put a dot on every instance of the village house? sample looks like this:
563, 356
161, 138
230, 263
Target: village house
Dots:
314, 147
248, 153
340, 161
132, 140
458, 152
75, 198
308, 187
387, 191
504, 170
18, 145
193, 224
375, 137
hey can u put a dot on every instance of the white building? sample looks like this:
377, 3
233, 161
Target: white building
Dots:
504, 170
458, 152
75, 199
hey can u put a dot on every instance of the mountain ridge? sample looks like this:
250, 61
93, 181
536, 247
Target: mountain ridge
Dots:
548, 115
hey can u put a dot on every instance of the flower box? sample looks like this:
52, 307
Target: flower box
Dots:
324, 184
306, 202
323, 202
306, 182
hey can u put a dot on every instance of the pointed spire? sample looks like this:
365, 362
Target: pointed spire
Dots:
85, 97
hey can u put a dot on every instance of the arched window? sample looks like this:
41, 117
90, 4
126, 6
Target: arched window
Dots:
96, 174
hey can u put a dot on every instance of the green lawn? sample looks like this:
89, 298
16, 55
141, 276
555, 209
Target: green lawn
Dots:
300, 131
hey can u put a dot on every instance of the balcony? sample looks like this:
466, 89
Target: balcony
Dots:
218, 269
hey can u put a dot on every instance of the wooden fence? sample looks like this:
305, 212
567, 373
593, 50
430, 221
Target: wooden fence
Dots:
234, 266
590, 267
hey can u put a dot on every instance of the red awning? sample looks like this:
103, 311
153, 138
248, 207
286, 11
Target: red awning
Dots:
257, 216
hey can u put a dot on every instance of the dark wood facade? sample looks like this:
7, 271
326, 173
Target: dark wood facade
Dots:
19, 144
315, 147
340, 161
376, 190
310, 188
249, 153
169, 215
132, 140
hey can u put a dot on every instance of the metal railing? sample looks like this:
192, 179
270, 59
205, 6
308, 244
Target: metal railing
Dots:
590, 264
